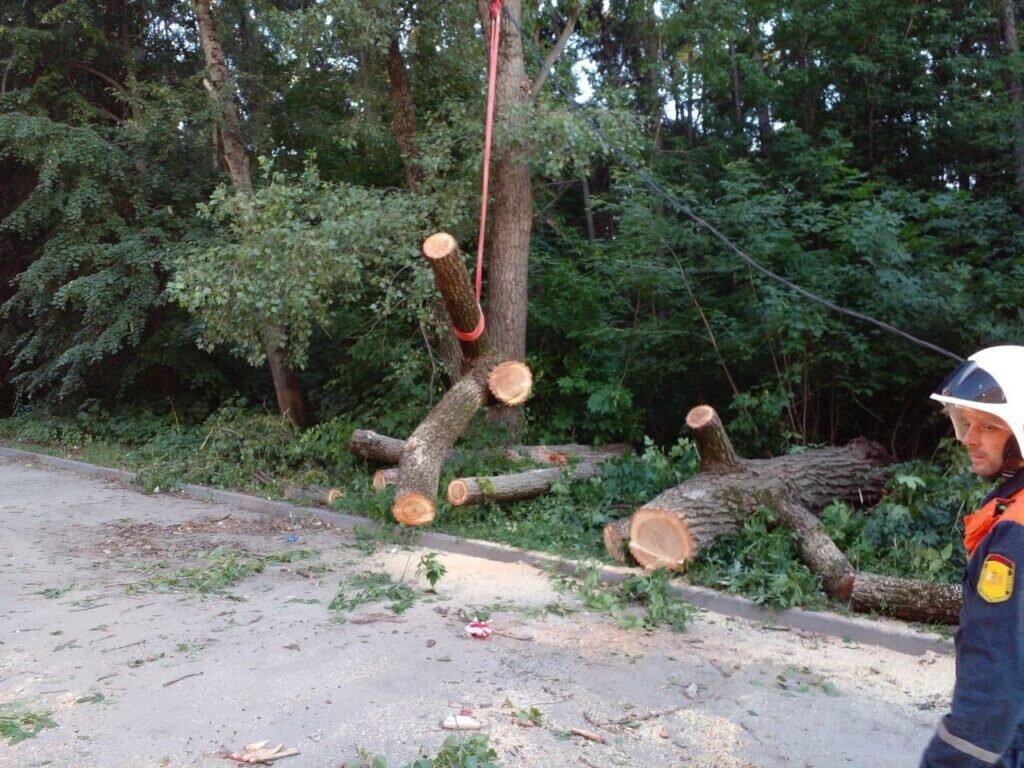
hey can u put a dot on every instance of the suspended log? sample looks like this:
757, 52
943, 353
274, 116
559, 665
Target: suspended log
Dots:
517, 485
676, 525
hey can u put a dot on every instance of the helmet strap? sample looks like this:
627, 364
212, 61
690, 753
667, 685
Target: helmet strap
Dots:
1011, 457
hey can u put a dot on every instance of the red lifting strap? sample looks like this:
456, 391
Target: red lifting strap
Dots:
477, 332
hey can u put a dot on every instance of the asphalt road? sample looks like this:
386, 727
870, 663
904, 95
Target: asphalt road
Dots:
133, 667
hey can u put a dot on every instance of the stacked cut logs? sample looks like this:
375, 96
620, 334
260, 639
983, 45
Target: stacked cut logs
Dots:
486, 378
571, 462
674, 527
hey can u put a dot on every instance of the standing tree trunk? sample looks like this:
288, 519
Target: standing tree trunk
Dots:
511, 212
219, 87
290, 401
403, 121
1016, 97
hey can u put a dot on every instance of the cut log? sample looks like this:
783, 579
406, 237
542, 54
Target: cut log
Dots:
419, 468
385, 478
562, 454
616, 536
676, 525
516, 486
379, 449
314, 493
713, 445
909, 599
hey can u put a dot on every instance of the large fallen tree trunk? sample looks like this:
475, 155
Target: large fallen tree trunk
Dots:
678, 523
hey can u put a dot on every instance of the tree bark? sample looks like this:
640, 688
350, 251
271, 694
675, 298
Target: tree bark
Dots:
676, 525
1016, 97
290, 400
381, 449
908, 599
220, 90
403, 122
517, 485
512, 208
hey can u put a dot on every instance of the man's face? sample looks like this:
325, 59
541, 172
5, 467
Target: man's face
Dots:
984, 436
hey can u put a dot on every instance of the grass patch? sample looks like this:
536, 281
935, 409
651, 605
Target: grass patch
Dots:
18, 722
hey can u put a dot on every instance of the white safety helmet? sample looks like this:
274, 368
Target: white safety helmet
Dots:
992, 381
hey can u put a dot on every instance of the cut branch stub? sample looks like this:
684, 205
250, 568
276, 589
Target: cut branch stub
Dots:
713, 445
510, 382
452, 280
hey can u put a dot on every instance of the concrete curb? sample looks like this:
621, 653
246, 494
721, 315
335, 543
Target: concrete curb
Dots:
881, 632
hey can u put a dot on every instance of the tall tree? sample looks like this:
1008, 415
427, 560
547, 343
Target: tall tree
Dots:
290, 400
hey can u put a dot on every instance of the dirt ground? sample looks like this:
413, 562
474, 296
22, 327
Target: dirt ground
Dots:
135, 677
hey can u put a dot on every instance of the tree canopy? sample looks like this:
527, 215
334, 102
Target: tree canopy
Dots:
870, 152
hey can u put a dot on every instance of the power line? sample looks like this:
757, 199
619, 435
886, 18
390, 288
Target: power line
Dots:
685, 210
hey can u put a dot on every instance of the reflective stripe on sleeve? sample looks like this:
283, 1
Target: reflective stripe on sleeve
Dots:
966, 747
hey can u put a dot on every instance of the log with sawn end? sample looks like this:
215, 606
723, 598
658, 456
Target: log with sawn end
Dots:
676, 525
516, 486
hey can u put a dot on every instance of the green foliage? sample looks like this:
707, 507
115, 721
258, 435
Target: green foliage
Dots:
293, 247
760, 561
431, 568
371, 587
652, 592
18, 722
914, 530
223, 567
456, 752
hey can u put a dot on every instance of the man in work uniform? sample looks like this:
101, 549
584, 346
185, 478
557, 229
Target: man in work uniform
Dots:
984, 398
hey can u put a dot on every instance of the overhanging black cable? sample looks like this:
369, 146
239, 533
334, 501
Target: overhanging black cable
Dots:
684, 209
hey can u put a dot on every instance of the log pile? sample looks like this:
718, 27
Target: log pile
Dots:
570, 462
675, 526
486, 378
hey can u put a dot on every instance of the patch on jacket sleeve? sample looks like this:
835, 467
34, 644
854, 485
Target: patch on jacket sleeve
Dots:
995, 584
